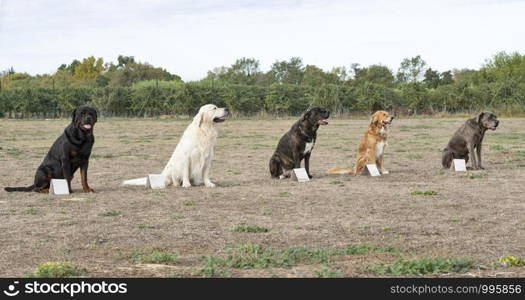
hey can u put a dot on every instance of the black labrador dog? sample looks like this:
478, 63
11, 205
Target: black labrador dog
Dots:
297, 144
468, 139
69, 152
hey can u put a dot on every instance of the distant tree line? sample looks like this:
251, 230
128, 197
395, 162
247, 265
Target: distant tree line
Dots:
131, 88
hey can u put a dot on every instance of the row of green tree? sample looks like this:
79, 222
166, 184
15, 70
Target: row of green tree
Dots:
130, 88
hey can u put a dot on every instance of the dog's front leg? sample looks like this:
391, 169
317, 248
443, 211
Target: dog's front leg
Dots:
478, 153
307, 164
66, 171
83, 178
186, 174
381, 164
206, 174
296, 159
470, 147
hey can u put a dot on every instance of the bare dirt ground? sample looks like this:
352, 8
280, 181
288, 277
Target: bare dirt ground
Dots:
477, 215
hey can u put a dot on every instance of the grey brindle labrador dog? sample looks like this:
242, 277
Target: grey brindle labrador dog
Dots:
468, 139
297, 144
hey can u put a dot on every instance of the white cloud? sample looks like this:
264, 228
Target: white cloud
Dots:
191, 37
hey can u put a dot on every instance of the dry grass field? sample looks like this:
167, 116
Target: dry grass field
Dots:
254, 226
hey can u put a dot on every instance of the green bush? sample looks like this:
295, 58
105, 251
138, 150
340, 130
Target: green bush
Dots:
57, 270
423, 266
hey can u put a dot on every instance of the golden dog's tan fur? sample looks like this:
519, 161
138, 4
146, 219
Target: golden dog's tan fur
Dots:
372, 145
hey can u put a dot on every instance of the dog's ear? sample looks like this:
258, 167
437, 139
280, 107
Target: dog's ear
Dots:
306, 114
95, 114
198, 119
374, 119
74, 116
480, 116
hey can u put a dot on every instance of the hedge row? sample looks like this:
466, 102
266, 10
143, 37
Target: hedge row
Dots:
278, 99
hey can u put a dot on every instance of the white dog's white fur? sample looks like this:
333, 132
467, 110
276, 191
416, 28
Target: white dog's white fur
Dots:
191, 161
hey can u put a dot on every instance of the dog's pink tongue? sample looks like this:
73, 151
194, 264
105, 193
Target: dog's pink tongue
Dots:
87, 126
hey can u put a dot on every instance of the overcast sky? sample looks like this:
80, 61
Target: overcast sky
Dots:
189, 38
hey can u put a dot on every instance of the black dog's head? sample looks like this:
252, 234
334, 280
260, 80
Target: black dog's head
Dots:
488, 120
317, 116
84, 118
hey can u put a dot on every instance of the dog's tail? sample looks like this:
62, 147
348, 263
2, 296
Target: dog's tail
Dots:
20, 188
137, 181
340, 171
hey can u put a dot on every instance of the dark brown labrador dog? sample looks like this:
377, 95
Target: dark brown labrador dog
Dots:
297, 144
68, 153
468, 139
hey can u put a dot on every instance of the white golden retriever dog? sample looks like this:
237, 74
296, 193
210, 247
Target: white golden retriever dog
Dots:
190, 163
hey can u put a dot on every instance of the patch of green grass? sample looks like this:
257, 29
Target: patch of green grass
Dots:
455, 220
508, 261
365, 248
69, 223
57, 270
146, 226
284, 194
327, 273
337, 182
499, 148
233, 172
229, 184
414, 156
386, 228
400, 150
253, 256
177, 217
249, 228
188, 203
30, 211
422, 266
154, 257
408, 128
15, 152
475, 175
422, 135
106, 155
111, 213
211, 269
423, 193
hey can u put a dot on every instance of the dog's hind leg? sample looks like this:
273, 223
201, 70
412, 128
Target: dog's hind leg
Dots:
359, 165
466, 157
446, 158
175, 180
275, 167
43, 178
185, 176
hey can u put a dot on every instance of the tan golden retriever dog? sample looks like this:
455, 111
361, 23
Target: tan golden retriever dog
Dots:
372, 146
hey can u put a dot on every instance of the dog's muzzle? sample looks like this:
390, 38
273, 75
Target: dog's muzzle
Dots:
389, 121
86, 125
493, 127
221, 118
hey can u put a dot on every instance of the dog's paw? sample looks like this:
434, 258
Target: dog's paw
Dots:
209, 184
89, 190
310, 176
186, 184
